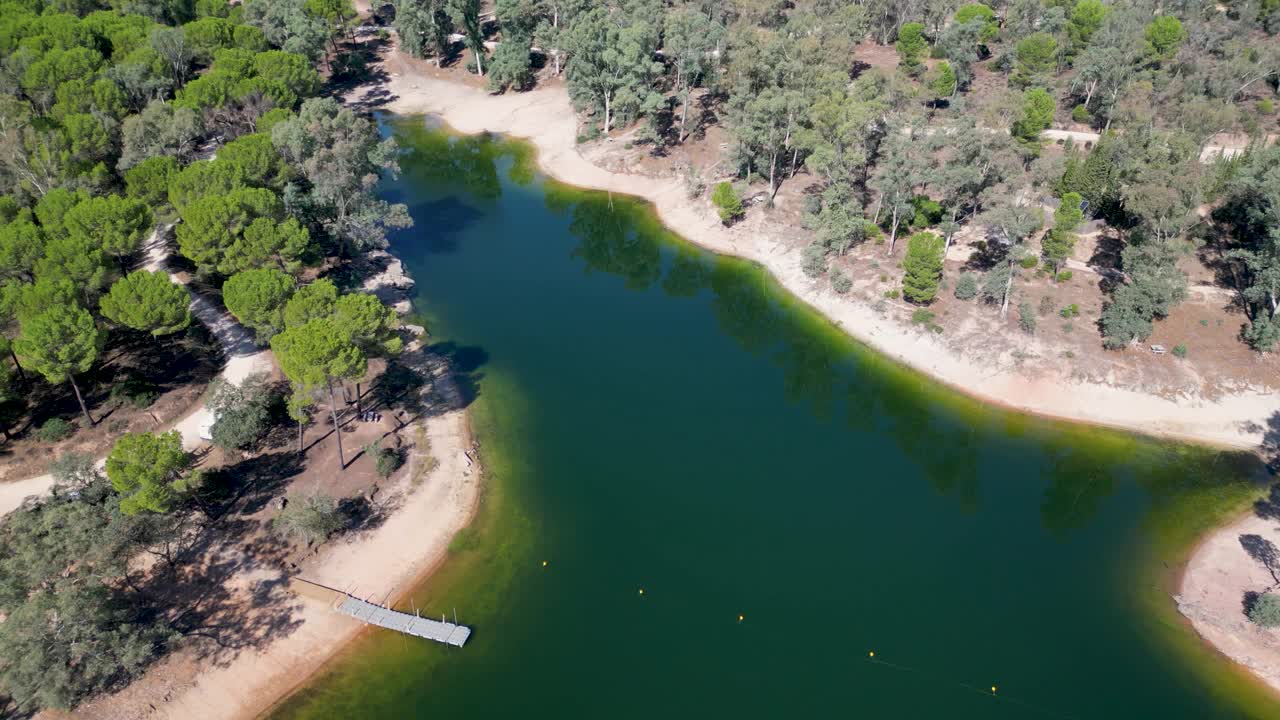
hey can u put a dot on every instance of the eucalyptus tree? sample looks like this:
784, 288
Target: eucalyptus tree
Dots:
288, 25
971, 163
897, 174
1010, 224
342, 157
1153, 284
424, 27
466, 13
958, 43
690, 40
1252, 213
1163, 184
1110, 62
550, 32
611, 66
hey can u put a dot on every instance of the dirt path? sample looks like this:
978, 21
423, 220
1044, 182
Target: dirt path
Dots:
243, 359
546, 118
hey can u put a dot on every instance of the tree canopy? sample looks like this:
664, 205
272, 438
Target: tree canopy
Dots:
148, 301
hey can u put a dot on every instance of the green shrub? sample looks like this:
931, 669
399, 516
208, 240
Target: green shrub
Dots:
1180, 351
967, 286
813, 260
242, 412
1026, 318
1064, 276
1068, 327
387, 461
727, 202
891, 294
311, 519
1204, 323
139, 394
840, 281
1266, 106
1265, 610
54, 430
1029, 262
1081, 114
922, 317
693, 184
927, 212
1070, 311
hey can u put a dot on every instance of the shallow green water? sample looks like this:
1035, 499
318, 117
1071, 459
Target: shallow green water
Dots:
655, 417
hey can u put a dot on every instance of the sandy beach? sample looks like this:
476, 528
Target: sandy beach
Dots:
545, 118
1236, 559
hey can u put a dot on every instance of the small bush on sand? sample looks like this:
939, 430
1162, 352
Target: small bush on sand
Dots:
310, 519
387, 461
54, 430
967, 286
813, 260
1026, 318
840, 281
1266, 610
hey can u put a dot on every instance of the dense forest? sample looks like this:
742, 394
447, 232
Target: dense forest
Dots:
951, 136
121, 122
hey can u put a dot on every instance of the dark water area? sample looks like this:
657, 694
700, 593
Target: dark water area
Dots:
683, 443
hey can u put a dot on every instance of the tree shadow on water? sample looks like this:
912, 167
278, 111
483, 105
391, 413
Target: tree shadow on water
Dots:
449, 218
464, 365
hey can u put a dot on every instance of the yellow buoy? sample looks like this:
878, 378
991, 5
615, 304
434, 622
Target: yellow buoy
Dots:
871, 654
544, 563
741, 618
641, 591
993, 689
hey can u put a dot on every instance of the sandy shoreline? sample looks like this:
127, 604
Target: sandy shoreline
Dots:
545, 118
1221, 569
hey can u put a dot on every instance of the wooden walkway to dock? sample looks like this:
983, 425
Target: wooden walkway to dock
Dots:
373, 614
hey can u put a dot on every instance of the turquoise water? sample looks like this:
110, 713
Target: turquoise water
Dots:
656, 418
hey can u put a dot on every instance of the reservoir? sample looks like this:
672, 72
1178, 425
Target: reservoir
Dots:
704, 500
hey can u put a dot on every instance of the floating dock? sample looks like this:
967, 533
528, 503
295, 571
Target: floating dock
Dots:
439, 631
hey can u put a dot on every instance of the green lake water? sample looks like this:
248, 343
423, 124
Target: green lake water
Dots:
655, 417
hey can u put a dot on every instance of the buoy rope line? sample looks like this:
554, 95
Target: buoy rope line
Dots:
992, 692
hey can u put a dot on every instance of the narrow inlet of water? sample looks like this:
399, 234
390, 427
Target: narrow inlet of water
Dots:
704, 500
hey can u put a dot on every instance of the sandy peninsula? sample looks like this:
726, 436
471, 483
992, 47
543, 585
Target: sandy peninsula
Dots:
546, 118
1225, 570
